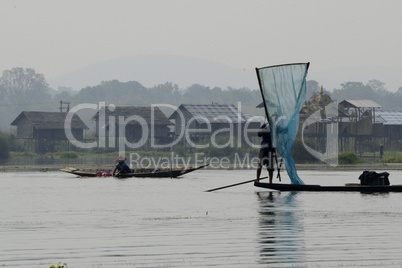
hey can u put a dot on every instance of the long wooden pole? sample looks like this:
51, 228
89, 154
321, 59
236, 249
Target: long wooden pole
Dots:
240, 183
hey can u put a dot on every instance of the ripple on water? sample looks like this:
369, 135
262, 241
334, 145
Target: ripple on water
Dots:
49, 217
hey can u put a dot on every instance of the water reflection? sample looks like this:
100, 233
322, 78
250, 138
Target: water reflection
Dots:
281, 234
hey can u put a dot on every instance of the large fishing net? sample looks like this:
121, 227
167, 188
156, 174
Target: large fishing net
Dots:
283, 90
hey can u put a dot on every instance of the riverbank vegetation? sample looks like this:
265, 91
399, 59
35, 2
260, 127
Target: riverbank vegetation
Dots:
6, 141
299, 153
393, 158
349, 158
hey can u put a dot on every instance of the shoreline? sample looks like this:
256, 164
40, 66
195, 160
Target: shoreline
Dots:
319, 167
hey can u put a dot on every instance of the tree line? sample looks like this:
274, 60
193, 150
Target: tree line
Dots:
25, 90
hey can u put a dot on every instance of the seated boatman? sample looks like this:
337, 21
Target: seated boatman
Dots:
121, 166
267, 152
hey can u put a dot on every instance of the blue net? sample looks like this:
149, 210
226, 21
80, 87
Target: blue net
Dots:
283, 90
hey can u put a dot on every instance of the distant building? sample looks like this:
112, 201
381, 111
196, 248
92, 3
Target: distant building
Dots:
45, 128
388, 124
203, 120
360, 125
139, 123
357, 117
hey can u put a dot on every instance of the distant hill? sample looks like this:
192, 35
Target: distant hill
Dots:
158, 69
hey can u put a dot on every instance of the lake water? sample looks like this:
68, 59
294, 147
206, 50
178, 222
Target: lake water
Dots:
51, 217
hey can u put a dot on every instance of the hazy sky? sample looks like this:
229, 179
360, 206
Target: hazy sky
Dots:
351, 40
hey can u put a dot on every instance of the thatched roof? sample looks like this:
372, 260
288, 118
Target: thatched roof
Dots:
49, 120
145, 112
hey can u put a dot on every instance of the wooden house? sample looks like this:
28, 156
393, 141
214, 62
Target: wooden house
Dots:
203, 120
357, 119
46, 127
388, 125
136, 121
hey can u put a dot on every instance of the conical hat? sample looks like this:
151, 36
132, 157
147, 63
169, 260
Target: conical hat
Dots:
120, 159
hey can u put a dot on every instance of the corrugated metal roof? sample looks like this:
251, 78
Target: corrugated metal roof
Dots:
360, 103
389, 117
255, 118
378, 120
214, 113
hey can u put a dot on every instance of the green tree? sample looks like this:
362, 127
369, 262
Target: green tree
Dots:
374, 90
197, 94
115, 92
22, 89
354, 91
377, 85
21, 86
4, 146
168, 92
312, 87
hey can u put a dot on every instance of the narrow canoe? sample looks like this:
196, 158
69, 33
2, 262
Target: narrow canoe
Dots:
139, 173
319, 188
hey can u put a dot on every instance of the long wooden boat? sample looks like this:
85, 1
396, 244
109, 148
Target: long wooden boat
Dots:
318, 188
139, 173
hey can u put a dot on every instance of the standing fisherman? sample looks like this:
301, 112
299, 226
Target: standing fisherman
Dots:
267, 153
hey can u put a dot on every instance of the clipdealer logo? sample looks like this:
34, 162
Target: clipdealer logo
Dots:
119, 123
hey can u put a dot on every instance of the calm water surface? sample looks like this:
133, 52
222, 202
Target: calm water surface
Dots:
104, 222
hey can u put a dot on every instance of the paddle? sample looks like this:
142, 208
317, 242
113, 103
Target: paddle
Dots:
223, 187
117, 174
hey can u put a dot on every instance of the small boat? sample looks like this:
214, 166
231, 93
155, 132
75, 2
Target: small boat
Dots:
352, 187
139, 173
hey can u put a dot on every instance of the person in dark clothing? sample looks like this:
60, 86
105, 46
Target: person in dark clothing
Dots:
121, 166
267, 152
381, 151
